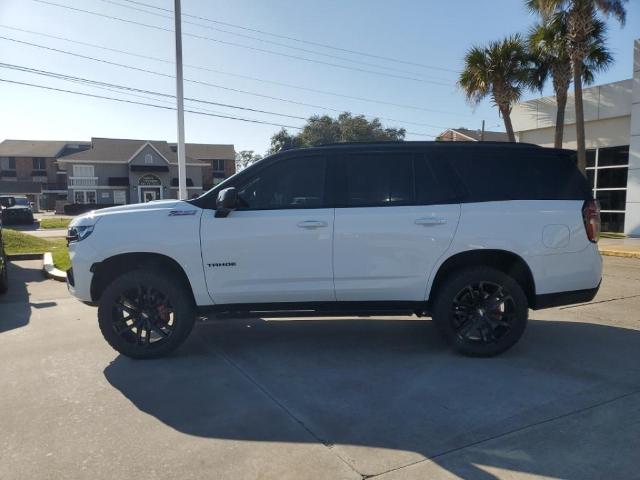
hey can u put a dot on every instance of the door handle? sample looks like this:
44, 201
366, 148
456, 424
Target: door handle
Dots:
311, 224
427, 221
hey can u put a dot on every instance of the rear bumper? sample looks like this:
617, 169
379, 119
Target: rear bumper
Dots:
14, 218
558, 299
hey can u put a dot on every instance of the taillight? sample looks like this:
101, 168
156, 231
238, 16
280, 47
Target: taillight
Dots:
591, 217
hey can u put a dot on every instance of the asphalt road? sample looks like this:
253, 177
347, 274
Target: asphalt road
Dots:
320, 399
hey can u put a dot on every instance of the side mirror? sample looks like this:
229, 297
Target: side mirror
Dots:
226, 202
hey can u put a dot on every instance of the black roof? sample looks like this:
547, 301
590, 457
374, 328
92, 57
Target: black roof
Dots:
402, 143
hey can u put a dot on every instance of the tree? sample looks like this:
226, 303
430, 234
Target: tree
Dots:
501, 70
245, 158
324, 129
549, 46
581, 15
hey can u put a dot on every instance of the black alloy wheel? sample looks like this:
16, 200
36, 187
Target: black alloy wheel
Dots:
143, 316
146, 313
480, 311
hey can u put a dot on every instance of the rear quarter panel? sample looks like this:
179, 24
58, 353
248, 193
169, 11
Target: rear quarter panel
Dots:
548, 235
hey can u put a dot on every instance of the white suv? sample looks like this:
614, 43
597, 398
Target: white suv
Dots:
471, 234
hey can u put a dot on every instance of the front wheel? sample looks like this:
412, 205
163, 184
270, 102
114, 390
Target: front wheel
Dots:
481, 311
145, 314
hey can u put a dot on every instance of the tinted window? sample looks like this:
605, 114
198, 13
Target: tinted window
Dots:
379, 180
613, 156
591, 158
591, 178
433, 183
612, 177
512, 173
612, 222
290, 183
612, 199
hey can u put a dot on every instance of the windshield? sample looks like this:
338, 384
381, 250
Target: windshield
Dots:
22, 201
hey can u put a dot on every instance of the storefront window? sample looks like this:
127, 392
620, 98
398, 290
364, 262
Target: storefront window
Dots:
607, 172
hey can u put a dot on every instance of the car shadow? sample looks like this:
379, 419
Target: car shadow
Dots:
15, 304
385, 384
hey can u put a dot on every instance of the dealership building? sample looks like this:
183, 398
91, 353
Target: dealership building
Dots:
612, 127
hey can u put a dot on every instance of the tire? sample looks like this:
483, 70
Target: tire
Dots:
145, 314
469, 312
4, 273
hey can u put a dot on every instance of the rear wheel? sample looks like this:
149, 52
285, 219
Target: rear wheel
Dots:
481, 311
145, 314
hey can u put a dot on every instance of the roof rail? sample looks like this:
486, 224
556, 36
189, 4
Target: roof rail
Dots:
429, 142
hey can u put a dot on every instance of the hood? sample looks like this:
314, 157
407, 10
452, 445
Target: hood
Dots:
19, 207
93, 216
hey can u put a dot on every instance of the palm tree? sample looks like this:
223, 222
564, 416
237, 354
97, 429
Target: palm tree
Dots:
581, 15
548, 43
500, 70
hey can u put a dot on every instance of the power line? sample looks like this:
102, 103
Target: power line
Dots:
251, 37
248, 47
63, 76
308, 42
199, 82
237, 75
197, 112
103, 97
118, 88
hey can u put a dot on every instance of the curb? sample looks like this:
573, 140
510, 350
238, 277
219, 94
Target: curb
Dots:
620, 253
50, 270
25, 256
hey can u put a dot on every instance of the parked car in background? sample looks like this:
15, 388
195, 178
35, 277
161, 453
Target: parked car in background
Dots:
19, 213
472, 235
5, 203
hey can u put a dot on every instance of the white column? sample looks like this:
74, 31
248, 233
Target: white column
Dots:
632, 217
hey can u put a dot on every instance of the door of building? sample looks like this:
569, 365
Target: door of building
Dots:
148, 194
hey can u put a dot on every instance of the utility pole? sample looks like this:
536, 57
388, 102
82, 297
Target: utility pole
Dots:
482, 133
182, 160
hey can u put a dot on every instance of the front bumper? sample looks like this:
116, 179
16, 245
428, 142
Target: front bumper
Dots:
79, 276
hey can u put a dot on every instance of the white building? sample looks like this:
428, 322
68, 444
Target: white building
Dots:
612, 125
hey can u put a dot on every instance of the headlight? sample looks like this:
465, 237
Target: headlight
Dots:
78, 233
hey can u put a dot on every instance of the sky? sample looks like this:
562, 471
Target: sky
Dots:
413, 87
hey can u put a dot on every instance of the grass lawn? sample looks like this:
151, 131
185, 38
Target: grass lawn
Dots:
18, 242
54, 222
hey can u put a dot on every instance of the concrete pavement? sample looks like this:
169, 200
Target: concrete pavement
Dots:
318, 398
620, 247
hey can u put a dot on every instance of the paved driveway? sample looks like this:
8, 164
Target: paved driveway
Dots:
330, 399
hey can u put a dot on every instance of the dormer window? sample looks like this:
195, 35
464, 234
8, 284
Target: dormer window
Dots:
148, 159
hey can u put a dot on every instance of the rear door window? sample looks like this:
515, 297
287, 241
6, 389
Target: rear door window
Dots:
379, 180
434, 184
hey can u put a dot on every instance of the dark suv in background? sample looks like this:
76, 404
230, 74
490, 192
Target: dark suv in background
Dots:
19, 213
5, 204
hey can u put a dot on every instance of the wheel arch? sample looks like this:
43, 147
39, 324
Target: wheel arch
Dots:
507, 262
107, 270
